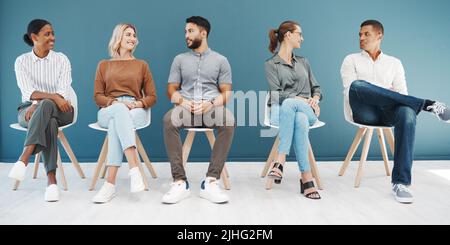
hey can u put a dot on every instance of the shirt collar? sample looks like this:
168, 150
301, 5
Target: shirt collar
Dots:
208, 51
36, 58
277, 59
365, 54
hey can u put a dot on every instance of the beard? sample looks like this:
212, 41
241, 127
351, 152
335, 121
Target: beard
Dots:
196, 43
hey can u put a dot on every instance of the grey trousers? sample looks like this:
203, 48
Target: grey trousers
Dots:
43, 130
219, 118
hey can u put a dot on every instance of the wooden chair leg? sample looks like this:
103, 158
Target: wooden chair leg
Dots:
270, 163
269, 181
314, 169
141, 169
145, 157
104, 170
61, 172
383, 151
223, 174
225, 179
187, 146
390, 139
352, 150
100, 163
16, 185
36, 164
272, 154
70, 153
226, 171
363, 159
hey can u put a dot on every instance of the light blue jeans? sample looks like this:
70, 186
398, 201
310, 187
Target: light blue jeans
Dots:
294, 117
121, 122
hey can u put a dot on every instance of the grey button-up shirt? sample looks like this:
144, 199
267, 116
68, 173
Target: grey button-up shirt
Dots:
289, 81
200, 74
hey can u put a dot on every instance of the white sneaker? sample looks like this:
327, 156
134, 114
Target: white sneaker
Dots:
18, 171
105, 194
178, 191
136, 181
52, 193
211, 191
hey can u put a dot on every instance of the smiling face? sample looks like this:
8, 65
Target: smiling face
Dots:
194, 35
45, 39
295, 38
129, 39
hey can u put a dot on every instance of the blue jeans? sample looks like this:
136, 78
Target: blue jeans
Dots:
294, 117
121, 122
376, 106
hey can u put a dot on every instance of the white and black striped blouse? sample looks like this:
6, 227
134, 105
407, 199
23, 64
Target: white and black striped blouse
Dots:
51, 74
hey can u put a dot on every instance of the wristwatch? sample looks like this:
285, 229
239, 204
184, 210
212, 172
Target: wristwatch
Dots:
212, 101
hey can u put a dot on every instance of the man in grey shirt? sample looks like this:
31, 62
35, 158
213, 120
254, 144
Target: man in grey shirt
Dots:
199, 85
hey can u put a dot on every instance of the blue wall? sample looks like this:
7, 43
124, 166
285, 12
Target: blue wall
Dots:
417, 31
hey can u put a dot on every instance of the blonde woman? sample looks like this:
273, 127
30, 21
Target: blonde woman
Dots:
124, 90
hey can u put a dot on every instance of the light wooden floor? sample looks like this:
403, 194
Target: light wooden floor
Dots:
250, 203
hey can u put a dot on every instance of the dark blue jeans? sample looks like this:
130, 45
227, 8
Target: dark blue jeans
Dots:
376, 106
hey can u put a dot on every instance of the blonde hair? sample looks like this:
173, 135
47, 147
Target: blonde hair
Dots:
116, 39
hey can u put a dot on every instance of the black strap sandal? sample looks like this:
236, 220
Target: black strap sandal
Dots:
276, 173
310, 184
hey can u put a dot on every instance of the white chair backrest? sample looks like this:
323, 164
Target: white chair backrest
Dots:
149, 116
267, 110
74, 101
347, 110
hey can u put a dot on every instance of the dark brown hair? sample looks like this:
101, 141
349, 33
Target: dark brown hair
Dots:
277, 36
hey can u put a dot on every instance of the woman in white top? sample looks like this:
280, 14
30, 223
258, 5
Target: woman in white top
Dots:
44, 78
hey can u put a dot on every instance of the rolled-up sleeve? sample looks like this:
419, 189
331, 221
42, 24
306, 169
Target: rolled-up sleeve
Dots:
315, 87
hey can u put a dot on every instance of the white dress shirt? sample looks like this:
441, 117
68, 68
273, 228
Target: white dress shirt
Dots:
51, 74
386, 72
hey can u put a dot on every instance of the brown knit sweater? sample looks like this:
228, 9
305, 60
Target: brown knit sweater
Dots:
116, 78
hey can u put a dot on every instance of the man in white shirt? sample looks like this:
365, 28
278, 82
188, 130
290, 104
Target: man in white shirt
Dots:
375, 93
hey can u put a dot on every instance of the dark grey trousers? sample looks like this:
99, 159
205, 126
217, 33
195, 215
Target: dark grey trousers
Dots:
43, 130
219, 118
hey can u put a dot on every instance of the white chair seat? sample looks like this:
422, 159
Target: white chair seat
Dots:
97, 127
368, 126
20, 128
199, 129
317, 124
